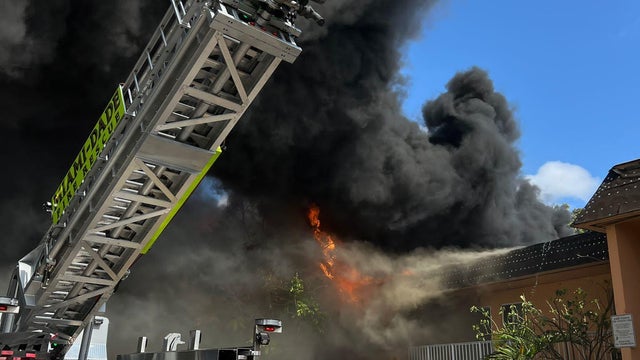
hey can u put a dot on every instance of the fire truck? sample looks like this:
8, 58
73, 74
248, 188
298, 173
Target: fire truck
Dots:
159, 134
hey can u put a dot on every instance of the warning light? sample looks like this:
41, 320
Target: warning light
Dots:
268, 325
9, 305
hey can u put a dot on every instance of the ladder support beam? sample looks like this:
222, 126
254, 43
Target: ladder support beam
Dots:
197, 121
97, 258
193, 82
212, 99
98, 239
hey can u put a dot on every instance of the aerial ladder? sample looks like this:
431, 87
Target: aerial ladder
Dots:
161, 131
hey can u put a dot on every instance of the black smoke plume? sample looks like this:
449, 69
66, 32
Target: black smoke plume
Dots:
327, 130
59, 60
330, 130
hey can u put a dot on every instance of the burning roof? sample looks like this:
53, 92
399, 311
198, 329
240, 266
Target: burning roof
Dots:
563, 253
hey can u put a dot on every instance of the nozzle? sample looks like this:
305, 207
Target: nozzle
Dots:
308, 12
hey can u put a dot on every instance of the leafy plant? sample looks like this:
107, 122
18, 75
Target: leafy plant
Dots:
305, 307
573, 324
519, 338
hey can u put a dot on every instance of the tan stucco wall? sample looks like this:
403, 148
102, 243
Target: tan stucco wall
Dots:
538, 289
624, 252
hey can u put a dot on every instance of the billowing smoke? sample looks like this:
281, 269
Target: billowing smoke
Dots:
327, 130
330, 130
236, 264
35, 35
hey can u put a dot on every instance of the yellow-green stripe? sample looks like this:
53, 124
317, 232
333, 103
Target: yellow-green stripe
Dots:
182, 200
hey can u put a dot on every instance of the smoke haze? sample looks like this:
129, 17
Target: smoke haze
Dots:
236, 265
331, 131
327, 130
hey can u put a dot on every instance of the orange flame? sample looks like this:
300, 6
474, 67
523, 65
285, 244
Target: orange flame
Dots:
348, 279
326, 243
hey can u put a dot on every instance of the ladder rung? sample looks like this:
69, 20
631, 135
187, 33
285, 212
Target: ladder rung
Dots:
181, 115
149, 60
184, 107
164, 38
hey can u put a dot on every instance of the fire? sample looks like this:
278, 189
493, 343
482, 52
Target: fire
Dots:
326, 243
349, 280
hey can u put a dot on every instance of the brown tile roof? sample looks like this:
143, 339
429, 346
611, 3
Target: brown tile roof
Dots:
563, 253
617, 198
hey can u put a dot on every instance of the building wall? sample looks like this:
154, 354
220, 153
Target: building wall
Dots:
624, 249
594, 279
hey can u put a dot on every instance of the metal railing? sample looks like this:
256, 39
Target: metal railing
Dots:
476, 350
479, 350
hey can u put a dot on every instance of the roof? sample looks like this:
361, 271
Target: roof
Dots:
571, 251
617, 198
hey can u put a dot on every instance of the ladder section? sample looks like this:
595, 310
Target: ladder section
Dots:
188, 90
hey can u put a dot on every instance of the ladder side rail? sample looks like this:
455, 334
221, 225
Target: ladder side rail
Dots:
104, 298
66, 235
169, 34
120, 132
139, 74
271, 67
84, 272
163, 45
64, 266
119, 161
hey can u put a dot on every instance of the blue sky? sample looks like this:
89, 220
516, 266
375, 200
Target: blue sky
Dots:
569, 68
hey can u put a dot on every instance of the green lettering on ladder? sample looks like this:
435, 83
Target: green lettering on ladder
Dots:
88, 155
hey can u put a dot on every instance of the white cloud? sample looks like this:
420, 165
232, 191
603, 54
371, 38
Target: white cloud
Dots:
560, 181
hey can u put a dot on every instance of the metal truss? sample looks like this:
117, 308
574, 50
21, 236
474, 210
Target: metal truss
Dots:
203, 67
